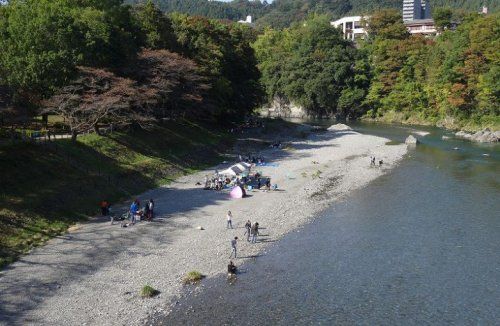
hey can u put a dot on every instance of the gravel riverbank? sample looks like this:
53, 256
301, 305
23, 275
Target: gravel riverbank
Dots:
93, 274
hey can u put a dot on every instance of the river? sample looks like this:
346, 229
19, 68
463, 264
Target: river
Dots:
420, 245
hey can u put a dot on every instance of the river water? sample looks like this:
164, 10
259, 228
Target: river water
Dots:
418, 246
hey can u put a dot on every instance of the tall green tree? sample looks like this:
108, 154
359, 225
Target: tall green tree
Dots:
223, 52
156, 27
44, 40
310, 64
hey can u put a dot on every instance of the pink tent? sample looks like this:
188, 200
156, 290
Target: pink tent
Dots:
236, 192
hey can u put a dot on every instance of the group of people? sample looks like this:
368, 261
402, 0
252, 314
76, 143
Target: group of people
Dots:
251, 159
216, 182
251, 232
136, 212
373, 161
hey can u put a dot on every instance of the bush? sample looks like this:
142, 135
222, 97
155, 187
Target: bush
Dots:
193, 277
148, 292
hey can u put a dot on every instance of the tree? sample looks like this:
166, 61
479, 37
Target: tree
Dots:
156, 27
38, 46
173, 83
386, 24
310, 64
43, 41
223, 52
442, 18
98, 96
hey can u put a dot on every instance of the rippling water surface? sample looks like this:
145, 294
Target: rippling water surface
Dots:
420, 245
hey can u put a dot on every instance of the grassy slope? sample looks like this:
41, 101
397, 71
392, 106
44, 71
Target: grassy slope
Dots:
46, 188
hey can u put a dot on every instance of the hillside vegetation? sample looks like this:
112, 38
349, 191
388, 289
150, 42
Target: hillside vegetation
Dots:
282, 13
452, 80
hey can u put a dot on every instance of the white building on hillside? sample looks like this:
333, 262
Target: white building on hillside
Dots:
246, 21
352, 27
424, 27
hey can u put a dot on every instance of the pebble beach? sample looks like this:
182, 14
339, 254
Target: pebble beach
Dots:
93, 274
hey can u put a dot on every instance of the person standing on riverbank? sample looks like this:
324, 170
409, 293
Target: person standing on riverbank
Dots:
248, 227
233, 247
151, 206
231, 268
255, 232
229, 220
134, 208
104, 207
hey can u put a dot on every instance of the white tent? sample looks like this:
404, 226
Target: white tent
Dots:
236, 169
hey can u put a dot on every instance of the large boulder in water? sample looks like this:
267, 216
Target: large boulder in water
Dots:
483, 136
411, 140
339, 127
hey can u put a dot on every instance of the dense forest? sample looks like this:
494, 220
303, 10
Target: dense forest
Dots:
101, 62
281, 13
453, 80
97, 62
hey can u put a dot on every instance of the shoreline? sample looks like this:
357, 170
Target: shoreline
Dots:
93, 275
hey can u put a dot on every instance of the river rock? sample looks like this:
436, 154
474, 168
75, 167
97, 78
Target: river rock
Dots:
339, 127
463, 134
483, 136
411, 140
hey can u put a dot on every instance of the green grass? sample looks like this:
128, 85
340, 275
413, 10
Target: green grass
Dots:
46, 188
192, 277
148, 292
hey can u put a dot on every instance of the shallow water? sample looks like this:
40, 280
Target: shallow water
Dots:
420, 245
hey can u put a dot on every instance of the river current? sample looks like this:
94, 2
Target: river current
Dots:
419, 245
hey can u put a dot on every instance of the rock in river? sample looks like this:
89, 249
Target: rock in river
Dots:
483, 136
339, 127
411, 140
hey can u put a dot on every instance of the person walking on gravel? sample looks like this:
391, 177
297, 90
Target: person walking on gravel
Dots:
229, 220
248, 227
233, 247
255, 232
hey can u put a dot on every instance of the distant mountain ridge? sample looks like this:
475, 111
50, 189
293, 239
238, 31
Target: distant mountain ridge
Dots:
281, 13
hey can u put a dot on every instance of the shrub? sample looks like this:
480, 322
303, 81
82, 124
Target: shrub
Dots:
148, 292
316, 174
193, 277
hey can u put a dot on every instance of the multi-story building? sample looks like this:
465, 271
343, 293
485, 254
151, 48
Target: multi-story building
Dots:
352, 27
417, 17
416, 9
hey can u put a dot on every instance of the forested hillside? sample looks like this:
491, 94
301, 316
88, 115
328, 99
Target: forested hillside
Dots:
453, 80
281, 13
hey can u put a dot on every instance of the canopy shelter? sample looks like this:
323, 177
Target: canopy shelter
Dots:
236, 169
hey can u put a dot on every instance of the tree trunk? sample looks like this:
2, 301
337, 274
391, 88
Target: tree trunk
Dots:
74, 133
96, 129
45, 119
